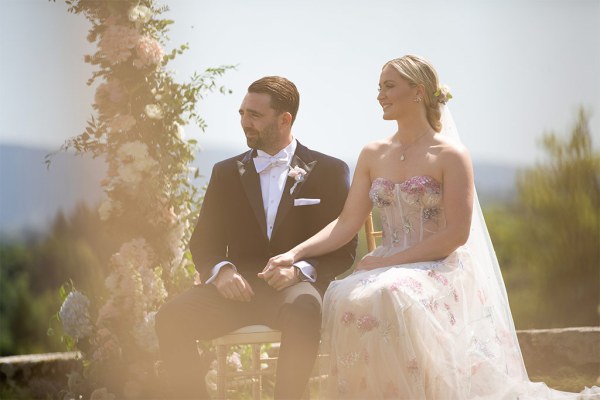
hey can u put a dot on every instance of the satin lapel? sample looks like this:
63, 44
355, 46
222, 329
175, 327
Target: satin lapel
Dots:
251, 183
287, 198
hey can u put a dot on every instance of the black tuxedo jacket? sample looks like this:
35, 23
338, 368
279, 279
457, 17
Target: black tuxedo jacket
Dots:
232, 223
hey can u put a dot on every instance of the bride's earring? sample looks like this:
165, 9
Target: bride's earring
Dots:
417, 99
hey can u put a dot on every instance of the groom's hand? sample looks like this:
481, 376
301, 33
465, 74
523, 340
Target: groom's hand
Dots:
231, 285
280, 277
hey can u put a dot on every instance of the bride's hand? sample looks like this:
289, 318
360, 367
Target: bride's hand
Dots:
369, 263
281, 260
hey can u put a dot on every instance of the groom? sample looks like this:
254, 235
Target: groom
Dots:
257, 205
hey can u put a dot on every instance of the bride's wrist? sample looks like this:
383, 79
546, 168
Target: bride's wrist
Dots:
296, 253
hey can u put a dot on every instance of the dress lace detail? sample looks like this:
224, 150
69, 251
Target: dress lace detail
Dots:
421, 330
410, 211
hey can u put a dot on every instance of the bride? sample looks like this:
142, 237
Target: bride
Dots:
425, 315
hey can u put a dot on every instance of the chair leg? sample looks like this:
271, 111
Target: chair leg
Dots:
257, 379
221, 372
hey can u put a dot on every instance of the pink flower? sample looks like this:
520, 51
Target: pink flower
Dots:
109, 97
117, 43
367, 322
382, 192
412, 365
348, 317
148, 53
421, 188
122, 123
297, 174
442, 94
109, 92
450, 314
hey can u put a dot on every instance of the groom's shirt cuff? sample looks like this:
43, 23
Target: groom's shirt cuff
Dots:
217, 268
307, 271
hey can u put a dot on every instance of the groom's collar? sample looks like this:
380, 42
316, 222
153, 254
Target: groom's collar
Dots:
301, 152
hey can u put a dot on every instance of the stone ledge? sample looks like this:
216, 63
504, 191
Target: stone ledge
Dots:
545, 351
37, 375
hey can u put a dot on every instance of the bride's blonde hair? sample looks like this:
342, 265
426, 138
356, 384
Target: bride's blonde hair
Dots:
417, 70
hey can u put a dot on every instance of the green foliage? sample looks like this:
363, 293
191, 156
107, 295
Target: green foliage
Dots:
548, 243
150, 204
30, 274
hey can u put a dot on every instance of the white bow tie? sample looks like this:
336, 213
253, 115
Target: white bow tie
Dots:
263, 163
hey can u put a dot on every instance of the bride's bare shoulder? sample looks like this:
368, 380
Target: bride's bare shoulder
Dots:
377, 147
452, 153
450, 148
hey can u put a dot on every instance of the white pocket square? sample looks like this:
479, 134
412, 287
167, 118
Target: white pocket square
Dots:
306, 202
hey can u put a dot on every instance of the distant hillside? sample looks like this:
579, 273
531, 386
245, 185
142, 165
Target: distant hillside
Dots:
31, 195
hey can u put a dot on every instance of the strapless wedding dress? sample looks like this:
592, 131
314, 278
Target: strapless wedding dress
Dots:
423, 330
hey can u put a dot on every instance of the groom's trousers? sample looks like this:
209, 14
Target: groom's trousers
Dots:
201, 313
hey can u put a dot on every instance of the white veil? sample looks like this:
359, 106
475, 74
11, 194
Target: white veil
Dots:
489, 277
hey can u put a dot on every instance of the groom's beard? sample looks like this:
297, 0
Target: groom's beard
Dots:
261, 140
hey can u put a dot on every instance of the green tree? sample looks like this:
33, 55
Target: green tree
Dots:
76, 248
559, 229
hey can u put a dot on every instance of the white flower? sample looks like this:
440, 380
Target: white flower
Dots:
108, 207
144, 333
136, 252
102, 394
111, 282
180, 131
135, 161
297, 174
129, 174
74, 315
153, 111
105, 209
140, 14
210, 380
234, 361
135, 149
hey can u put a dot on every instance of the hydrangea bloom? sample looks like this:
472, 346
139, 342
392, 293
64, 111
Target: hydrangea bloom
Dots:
148, 53
109, 92
144, 333
74, 315
117, 43
135, 161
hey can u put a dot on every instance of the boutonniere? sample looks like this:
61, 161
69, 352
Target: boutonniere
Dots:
297, 174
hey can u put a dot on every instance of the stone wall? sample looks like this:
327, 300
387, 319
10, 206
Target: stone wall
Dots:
545, 351
36, 375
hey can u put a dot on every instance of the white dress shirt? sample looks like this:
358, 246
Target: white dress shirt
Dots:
273, 173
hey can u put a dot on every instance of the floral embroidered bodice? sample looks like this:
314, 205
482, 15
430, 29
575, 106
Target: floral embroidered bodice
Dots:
409, 211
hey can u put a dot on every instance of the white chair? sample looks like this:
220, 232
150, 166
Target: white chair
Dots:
254, 335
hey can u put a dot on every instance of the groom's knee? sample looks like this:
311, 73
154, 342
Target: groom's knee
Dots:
303, 313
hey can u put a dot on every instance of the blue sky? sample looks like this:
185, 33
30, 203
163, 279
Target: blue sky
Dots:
516, 68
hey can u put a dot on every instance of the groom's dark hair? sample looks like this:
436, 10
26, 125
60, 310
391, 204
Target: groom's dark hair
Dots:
283, 92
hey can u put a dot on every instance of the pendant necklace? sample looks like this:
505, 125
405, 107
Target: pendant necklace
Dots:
404, 148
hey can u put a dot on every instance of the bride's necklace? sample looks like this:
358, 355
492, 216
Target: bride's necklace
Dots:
405, 148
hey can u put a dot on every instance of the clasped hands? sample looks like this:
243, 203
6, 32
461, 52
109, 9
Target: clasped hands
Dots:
279, 274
